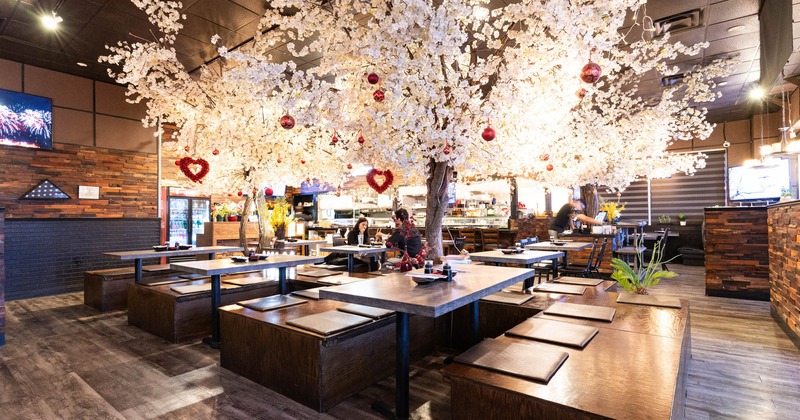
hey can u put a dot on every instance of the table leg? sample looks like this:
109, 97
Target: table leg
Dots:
137, 270
215, 303
350, 262
474, 321
211, 256
282, 280
401, 372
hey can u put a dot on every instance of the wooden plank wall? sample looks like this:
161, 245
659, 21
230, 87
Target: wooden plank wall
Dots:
2, 277
784, 270
737, 256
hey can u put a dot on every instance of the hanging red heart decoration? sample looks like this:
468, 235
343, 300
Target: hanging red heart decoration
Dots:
382, 184
187, 162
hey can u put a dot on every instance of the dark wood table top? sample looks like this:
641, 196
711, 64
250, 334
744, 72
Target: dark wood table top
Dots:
526, 257
398, 292
354, 249
620, 374
568, 246
149, 253
227, 266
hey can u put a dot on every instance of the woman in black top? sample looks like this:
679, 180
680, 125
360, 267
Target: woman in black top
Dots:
361, 229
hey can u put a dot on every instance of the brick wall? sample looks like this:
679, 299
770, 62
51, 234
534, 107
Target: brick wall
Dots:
784, 267
49, 256
736, 252
2, 279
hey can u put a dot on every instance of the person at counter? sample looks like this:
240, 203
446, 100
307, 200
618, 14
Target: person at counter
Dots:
405, 236
566, 217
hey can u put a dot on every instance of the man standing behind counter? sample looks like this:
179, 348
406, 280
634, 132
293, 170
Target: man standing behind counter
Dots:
566, 216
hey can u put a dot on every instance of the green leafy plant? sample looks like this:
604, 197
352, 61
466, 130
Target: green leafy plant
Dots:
681, 217
664, 219
786, 192
637, 280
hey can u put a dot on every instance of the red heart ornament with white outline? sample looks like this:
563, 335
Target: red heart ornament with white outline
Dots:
186, 163
378, 185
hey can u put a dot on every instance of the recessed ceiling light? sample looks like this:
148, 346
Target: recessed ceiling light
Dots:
51, 21
722, 83
735, 28
82, 64
757, 93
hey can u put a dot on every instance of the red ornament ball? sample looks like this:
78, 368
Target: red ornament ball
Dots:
187, 148
581, 93
550, 167
308, 179
178, 162
335, 139
373, 78
447, 150
361, 139
303, 161
268, 192
349, 166
488, 134
279, 160
544, 157
378, 95
215, 152
591, 72
239, 193
287, 122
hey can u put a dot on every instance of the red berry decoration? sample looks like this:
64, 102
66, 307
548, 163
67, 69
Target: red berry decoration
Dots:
268, 192
215, 152
335, 139
239, 193
279, 160
591, 72
287, 122
178, 163
349, 166
303, 161
550, 167
544, 157
378, 95
488, 134
373, 78
187, 148
308, 179
581, 93
447, 150
361, 139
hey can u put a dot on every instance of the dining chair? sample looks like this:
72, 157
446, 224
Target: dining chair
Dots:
581, 270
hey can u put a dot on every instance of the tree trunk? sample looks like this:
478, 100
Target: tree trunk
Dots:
243, 224
512, 186
439, 175
589, 193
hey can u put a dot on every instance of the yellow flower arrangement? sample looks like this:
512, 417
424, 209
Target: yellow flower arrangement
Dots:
279, 218
613, 209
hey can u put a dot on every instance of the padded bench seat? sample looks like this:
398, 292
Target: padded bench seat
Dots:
178, 317
316, 370
107, 290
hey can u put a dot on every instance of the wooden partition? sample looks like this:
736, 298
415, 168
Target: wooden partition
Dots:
2, 277
784, 270
737, 257
225, 233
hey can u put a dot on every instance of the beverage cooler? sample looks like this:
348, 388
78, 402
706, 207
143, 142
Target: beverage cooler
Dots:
186, 217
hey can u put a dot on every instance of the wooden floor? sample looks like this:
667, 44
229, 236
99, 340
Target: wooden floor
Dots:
64, 360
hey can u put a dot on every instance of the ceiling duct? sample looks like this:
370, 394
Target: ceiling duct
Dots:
674, 79
679, 22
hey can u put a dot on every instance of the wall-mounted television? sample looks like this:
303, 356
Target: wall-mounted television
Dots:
762, 182
25, 120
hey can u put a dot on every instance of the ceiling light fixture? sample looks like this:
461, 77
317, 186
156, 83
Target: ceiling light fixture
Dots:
757, 93
735, 28
51, 21
82, 64
722, 83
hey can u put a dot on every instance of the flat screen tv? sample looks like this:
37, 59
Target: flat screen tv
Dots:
25, 120
748, 183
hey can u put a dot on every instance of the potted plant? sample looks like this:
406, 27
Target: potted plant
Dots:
234, 210
279, 219
220, 212
664, 219
637, 279
682, 219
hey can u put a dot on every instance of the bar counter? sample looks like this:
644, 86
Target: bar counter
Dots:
784, 267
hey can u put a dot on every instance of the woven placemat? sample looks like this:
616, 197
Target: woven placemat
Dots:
578, 280
567, 289
556, 332
270, 303
367, 311
526, 360
511, 298
329, 322
600, 313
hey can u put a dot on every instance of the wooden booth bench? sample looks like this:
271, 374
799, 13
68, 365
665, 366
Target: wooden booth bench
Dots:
315, 369
183, 315
634, 366
107, 290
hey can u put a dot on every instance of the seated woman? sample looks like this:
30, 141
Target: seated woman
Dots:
406, 237
359, 231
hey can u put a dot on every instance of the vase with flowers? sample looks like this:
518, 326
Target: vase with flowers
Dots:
613, 210
220, 212
279, 219
234, 211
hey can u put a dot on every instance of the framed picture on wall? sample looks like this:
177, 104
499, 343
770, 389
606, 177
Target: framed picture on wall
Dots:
25, 120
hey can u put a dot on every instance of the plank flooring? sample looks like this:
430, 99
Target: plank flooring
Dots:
64, 360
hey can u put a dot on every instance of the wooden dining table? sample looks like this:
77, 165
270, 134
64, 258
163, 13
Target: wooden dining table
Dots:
353, 250
526, 258
566, 247
138, 256
216, 268
398, 292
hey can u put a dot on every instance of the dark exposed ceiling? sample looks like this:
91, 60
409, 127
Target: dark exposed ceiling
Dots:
729, 26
